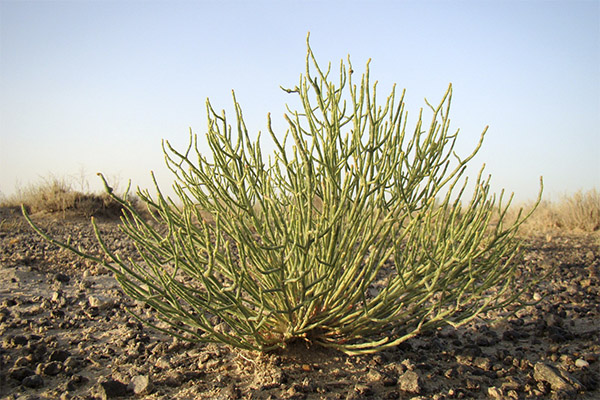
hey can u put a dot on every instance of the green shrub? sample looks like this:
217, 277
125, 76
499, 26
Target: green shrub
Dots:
337, 238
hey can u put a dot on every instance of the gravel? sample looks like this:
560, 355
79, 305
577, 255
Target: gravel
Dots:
66, 334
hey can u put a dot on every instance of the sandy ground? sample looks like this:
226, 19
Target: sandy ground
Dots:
66, 334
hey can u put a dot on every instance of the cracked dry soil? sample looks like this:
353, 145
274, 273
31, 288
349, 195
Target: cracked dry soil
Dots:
65, 334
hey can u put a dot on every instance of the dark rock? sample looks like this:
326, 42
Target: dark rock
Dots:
20, 373
112, 389
72, 364
18, 340
174, 379
511, 335
59, 355
8, 303
33, 381
51, 369
62, 278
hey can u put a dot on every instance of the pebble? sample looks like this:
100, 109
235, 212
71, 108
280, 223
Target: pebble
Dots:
33, 381
59, 355
50, 369
62, 278
581, 363
18, 340
20, 373
100, 302
163, 363
495, 393
410, 382
140, 385
112, 389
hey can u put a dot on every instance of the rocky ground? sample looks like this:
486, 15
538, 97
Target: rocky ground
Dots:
65, 334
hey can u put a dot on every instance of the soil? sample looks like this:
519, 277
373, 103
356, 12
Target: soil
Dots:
66, 334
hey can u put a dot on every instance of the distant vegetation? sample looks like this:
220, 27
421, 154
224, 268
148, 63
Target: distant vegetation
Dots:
576, 212
58, 196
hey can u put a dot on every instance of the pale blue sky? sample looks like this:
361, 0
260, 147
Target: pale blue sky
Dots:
88, 86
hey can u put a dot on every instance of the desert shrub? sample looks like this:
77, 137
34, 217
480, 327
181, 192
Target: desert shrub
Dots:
336, 238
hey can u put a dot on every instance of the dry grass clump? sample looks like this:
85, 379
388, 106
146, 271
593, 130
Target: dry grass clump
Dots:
578, 212
57, 196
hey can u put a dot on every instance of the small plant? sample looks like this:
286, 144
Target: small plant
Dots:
351, 235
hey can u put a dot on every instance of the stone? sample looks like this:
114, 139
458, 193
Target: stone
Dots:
495, 393
50, 369
559, 380
19, 340
140, 385
410, 382
20, 373
62, 278
59, 355
33, 381
581, 363
163, 363
101, 303
22, 362
483, 363
72, 364
112, 389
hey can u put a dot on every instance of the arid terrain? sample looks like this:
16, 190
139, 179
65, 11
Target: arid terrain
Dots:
66, 334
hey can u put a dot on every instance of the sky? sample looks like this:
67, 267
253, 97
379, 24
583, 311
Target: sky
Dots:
93, 86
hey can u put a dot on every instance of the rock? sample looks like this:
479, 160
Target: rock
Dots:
140, 385
50, 369
100, 302
174, 379
559, 380
511, 335
483, 363
72, 364
33, 381
59, 355
581, 363
62, 278
163, 363
410, 382
20, 373
18, 340
22, 362
112, 389
495, 393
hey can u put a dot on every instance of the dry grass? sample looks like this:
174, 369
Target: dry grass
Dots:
57, 196
579, 212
